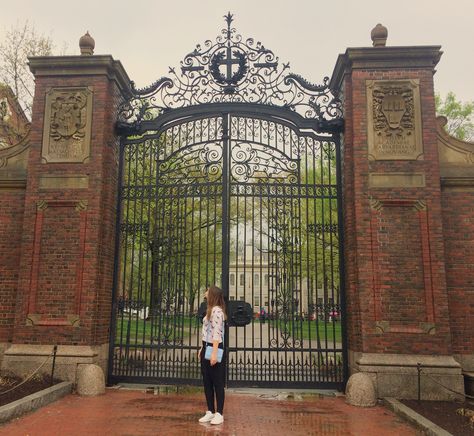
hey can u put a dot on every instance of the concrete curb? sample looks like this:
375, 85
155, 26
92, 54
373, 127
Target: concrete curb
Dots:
428, 427
34, 401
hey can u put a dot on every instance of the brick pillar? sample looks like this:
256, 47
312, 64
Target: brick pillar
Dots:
67, 250
397, 305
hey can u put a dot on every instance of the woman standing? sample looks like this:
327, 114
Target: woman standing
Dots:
213, 372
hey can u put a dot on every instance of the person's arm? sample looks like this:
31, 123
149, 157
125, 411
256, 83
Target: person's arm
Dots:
217, 326
215, 346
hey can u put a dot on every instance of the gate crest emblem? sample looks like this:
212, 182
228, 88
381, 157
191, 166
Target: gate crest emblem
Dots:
229, 77
231, 69
394, 108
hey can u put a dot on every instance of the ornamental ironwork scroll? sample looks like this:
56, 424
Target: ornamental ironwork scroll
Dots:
232, 70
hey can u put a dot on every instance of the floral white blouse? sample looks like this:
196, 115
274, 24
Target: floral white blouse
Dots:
213, 330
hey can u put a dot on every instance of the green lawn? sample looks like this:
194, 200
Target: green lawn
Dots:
180, 327
175, 328
308, 330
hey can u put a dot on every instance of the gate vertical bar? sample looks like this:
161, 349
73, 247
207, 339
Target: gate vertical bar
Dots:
225, 223
342, 289
115, 282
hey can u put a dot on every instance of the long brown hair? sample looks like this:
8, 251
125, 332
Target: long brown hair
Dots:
215, 297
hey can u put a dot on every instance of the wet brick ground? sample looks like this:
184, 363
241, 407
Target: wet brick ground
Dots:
126, 412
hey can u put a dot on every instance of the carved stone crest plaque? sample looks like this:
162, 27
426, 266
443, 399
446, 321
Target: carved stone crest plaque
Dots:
67, 125
394, 120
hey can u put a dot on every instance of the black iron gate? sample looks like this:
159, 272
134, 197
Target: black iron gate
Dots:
229, 176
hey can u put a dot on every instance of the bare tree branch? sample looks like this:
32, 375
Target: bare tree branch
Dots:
20, 42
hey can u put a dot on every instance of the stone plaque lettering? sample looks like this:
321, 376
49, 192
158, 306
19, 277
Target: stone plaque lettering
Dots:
67, 125
394, 120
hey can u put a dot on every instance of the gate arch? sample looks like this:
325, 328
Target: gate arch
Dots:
229, 174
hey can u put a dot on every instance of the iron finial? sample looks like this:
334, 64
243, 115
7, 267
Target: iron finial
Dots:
229, 18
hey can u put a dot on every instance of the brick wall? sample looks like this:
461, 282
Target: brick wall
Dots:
408, 251
68, 233
11, 220
458, 220
395, 281
108, 218
353, 302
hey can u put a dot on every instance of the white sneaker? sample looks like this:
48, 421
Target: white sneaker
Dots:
218, 419
207, 417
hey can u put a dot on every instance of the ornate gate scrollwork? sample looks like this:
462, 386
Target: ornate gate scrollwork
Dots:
230, 176
232, 70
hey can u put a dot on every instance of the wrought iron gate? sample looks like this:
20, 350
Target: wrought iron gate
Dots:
230, 176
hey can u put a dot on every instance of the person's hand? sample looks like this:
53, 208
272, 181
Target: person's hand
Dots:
214, 357
199, 353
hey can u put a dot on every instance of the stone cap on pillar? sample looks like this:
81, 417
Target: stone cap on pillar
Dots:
380, 58
86, 44
53, 66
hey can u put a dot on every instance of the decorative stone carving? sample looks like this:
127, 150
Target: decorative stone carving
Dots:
86, 44
41, 204
39, 319
394, 120
81, 205
379, 35
67, 125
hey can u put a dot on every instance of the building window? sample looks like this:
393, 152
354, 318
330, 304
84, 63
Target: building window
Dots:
232, 279
256, 300
242, 279
231, 298
242, 298
265, 279
256, 280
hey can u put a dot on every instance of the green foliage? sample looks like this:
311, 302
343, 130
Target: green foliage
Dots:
460, 116
175, 249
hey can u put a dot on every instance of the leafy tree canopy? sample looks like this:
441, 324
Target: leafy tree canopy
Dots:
460, 116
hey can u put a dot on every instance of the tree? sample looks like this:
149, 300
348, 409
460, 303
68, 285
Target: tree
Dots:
172, 248
21, 42
460, 116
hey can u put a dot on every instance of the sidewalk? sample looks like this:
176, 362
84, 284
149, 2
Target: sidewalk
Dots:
127, 412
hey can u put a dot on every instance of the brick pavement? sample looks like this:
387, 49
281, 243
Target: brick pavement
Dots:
127, 412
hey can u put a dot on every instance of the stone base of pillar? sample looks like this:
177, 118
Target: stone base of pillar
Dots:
3, 347
23, 359
396, 375
467, 363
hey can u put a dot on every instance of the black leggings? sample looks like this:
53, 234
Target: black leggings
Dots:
213, 378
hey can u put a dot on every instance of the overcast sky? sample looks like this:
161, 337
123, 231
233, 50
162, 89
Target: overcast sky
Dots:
150, 35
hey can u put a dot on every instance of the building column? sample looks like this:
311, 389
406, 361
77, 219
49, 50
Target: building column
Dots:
397, 305
67, 250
